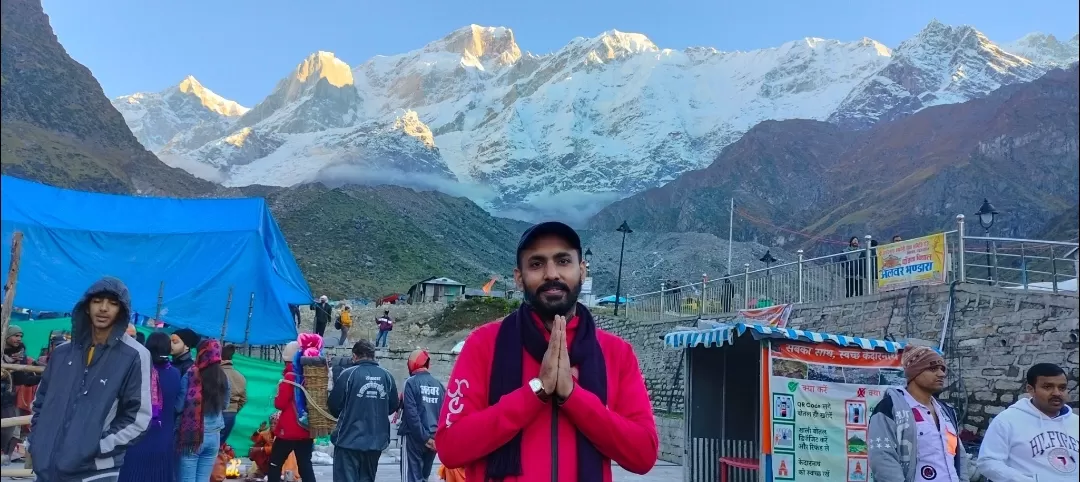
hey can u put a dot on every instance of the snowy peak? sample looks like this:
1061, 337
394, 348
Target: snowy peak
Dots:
324, 65
318, 94
942, 64
157, 117
211, 101
610, 45
1042, 48
484, 44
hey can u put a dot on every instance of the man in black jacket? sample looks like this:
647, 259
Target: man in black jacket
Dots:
324, 311
363, 399
93, 401
423, 398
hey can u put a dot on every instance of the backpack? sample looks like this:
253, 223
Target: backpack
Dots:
337, 322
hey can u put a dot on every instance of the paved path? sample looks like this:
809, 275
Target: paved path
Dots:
663, 472
388, 472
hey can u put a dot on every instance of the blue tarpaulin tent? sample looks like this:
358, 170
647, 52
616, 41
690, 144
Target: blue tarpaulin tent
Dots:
199, 248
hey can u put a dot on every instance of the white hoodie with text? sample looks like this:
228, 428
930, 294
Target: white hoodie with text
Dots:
1022, 444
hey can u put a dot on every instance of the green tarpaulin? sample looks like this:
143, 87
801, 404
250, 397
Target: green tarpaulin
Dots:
262, 379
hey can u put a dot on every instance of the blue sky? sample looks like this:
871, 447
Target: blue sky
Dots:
241, 48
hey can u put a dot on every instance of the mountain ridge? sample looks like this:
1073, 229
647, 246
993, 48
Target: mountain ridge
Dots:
564, 133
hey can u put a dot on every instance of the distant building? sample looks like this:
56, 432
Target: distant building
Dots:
479, 293
436, 290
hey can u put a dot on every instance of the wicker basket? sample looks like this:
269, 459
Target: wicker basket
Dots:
317, 383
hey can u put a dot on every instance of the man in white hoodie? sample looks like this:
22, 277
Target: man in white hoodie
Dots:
1035, 439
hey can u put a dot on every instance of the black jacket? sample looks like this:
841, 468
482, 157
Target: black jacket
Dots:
323, 313
87, 413
422, 400
363, 399
183, 362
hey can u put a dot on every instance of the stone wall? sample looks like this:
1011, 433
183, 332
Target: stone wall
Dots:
998, 333
662, 369
671, 429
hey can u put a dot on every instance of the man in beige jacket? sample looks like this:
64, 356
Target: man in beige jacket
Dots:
238, 384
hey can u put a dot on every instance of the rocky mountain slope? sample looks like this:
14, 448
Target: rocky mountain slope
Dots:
57, 125
564, 133
1016, 146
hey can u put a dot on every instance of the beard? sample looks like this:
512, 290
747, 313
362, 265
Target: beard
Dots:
548, 309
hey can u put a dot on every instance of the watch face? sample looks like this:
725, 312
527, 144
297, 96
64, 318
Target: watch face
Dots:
535, 385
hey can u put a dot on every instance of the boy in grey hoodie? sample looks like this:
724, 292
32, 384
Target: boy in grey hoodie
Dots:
913, 436
94, 398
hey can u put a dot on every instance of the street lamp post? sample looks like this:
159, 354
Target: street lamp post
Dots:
624, 229
987, 215
587, 283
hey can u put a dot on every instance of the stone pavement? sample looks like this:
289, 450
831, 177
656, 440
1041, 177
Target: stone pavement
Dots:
388, 472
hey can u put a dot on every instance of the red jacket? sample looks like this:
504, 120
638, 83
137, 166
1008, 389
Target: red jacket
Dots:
288, 425
469, 429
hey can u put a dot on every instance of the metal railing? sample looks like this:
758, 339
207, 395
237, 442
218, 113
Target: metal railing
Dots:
1028, 264
1007, 262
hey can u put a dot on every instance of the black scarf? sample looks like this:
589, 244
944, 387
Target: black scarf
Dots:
518, 330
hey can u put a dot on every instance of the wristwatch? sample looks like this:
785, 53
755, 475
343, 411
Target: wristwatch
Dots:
537, 388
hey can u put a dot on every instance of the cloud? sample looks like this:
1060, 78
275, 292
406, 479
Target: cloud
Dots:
339, 175
573, 207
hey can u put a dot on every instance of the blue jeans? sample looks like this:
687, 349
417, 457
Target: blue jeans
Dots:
197, 467
230, 422
382, 338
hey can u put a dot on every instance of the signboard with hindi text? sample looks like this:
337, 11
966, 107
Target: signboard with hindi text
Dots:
822, 397
919, 261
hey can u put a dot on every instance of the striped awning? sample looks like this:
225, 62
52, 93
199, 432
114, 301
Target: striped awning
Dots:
724, 334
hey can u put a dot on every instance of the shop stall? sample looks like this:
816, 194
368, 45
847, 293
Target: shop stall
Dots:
766, 404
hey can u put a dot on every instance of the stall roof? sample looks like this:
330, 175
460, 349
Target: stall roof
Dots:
726, 334
198, 248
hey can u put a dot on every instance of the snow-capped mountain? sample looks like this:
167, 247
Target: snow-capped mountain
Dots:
940, 65
1045, 49
155, 118
597, 120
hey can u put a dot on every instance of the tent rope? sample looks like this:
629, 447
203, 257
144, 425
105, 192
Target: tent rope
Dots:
310, 402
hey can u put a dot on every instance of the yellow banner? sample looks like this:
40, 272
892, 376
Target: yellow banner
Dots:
919, 261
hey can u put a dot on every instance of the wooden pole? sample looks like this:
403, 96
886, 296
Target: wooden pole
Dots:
160, 302
15, 421
24, 368
225, 324
9, 287
5, 319
251, 311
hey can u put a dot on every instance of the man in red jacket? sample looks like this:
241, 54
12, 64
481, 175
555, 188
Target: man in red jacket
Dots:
544, 394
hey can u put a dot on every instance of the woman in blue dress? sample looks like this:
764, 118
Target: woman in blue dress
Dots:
154, 458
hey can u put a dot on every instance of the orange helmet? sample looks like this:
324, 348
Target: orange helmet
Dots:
418, 360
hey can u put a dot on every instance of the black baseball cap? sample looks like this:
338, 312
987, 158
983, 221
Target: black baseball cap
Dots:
549, 228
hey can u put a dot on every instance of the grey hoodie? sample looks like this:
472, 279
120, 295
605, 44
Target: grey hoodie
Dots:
894, 444
87, 413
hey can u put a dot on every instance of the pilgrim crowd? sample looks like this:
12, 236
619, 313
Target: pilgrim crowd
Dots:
539, 395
